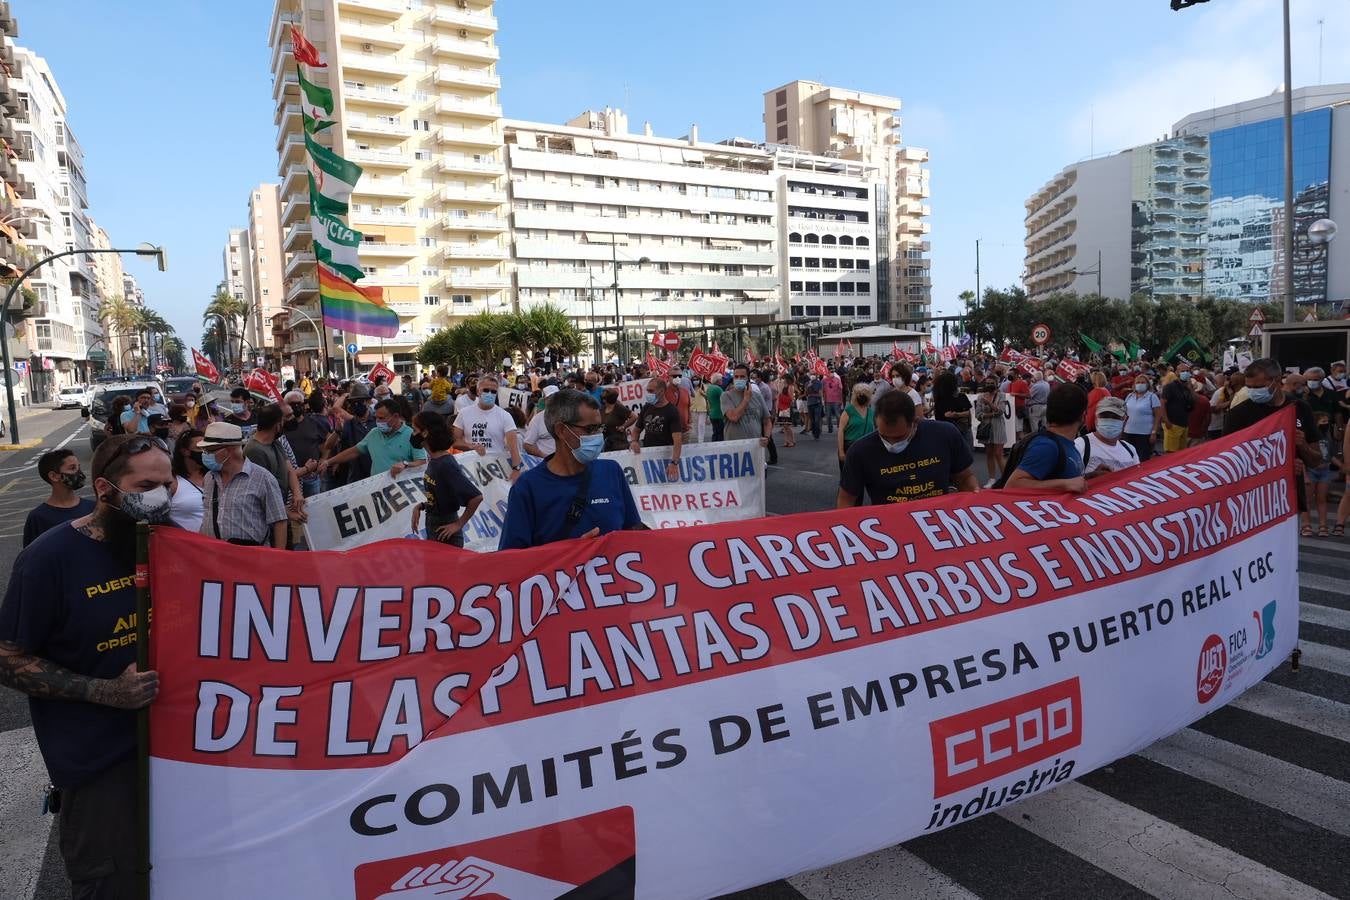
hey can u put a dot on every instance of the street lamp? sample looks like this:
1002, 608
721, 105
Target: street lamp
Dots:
142, 250
318, 333
1097, 269
618, 317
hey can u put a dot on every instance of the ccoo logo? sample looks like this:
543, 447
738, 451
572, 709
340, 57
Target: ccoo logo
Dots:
1209, 671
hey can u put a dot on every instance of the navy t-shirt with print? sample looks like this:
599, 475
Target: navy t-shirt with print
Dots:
536, 509
45, 517
72, 602
924, 469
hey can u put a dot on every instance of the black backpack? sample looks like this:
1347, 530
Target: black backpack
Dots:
1019, 450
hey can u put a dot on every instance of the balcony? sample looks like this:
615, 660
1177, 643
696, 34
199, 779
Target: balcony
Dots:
296, 209
384, 35
394, 159
455, 193
484, 165
465, 18
384, 248
474, 137
286, 86
469, 108
477, 250
294, 180
488, 224
305, 341
408, 309
465, 48
299, 264
377, 94
910, 208
372, 125
301, 287
380, 64
298, 237
283, 55
378, 217
288, 117
393, 8
291, 147
281, 22
384, 187
457, 75
480, 281
388, 279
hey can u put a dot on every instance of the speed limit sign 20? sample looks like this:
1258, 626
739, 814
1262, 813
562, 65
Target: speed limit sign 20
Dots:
1040, 334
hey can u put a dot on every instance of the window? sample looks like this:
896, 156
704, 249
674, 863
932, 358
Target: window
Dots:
795, 262
795, 287
794, 238
864, 287
812, 311
422, 155
427, 241
797, 312
862, 265
431, 300
831, 311
846, 310
430, 271
460, 299
780, 99
539, 205
782, 115
264, 290
813, 287
845, 287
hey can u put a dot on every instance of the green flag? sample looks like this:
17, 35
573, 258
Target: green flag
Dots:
1120, 354
1189, 349
316, 105
1088, 342
331, 179
336, 245
1132, 349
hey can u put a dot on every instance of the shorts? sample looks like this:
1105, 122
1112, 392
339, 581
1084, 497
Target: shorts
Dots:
784, 418
1320, 475
1175, 438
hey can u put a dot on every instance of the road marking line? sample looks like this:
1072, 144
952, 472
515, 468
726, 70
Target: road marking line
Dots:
894, 873
1309, 711
1330, 616
1143, 850
1303, 793
1321, 656
1332, 583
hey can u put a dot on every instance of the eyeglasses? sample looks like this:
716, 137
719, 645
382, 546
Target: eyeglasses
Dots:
139, 444
586, 429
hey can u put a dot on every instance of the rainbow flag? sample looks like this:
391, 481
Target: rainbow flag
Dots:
360, 310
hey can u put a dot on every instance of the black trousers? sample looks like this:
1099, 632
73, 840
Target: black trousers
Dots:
99, 830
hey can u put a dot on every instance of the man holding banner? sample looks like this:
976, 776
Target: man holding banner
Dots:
485, 427
574, 493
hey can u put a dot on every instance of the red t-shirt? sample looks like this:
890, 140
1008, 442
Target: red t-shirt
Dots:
1197, 425
1019, 389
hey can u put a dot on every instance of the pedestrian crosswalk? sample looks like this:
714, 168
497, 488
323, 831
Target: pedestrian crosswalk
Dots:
1253, 801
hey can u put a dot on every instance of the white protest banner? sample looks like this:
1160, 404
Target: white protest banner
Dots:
363, 512
339, 725
632, 394
510, 398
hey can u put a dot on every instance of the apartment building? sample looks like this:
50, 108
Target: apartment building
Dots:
862, 127
63, 323
266, 266
415, 92
686, 229
1201, 211
109, 283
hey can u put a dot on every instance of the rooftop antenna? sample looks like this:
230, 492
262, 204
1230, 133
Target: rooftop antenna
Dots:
1320, 23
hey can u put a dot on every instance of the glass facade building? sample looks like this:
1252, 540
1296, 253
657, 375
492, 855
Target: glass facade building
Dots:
1207, 211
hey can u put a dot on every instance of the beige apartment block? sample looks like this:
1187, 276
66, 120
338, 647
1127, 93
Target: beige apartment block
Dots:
109, 282
865, 127
415, 89
266, 265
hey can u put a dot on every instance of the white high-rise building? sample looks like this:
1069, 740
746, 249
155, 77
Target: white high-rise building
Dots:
64, 322
266, 288
415, 88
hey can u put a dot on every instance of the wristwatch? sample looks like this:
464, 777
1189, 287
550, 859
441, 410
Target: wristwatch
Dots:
516, 467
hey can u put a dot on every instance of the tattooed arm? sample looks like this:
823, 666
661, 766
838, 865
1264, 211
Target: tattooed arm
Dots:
38, 677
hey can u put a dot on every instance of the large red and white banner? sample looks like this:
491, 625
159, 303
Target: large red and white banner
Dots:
685, 713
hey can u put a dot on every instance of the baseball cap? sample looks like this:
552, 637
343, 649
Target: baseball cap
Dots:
550, 390
1111, 406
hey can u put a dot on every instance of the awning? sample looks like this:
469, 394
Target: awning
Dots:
649, 152
692, 155
671, 155
596, 237
583, 146
527, 140
761, 295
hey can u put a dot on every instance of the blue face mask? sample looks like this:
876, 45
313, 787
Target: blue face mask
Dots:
739, 384
1259, 395
383, 427
588, 448
210, 462
487, 398
1141, 388
237, 408
1185, 376
1110, 428
652, 399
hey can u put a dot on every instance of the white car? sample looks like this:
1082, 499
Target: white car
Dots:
74, 397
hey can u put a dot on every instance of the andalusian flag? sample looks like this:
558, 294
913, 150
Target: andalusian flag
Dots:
1189, 349
336, 245
355, 309
1088, 342
316, 105
331, 179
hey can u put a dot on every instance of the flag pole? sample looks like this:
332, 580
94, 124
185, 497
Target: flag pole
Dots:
143, 714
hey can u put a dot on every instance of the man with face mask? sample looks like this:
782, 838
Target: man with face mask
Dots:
61, 470
388, 446
906, 458
1103, 448
1265, 397
744, 411
574, 493
70, 595
241, 411
241, 500
485, 427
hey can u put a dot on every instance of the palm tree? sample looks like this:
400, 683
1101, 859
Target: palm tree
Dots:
174, 352
234, 311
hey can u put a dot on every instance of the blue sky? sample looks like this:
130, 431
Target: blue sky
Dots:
171, 99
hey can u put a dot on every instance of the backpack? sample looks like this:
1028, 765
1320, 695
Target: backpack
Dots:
1019, 450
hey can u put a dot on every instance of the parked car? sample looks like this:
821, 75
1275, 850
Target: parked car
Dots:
102, 400
178, 387
73, 397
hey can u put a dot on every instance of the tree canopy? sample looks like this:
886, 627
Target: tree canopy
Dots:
482, 341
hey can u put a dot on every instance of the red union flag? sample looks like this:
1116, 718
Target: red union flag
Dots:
839, 350
1069, 369
380, 369
305, 52
896, 352
1009, 355
819, 366
666, 340
260, 381
1029, 366
704, 365
949, 353
204, 366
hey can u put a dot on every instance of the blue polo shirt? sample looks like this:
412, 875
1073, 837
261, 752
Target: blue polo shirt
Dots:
386, 449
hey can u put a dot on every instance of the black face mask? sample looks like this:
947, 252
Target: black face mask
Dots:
196, 456
73, 480
416, 440
162, 433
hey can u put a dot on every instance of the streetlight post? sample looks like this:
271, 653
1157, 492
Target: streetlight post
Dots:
318, 332
618, 316
143, 250
1097, 270
1288, 175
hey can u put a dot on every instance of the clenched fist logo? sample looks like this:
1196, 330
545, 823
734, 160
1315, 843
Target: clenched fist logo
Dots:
469, 877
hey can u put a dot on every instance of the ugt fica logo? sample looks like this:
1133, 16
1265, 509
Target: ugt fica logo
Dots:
1209, 671
1265, 629
587, 858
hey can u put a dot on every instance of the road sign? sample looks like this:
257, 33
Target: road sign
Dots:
97, 355
353, 349
666, 341
1257, 317
1256, 330
1040, 334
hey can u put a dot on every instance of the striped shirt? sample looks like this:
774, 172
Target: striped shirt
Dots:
248, 505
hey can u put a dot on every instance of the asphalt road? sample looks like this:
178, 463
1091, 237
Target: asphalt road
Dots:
1253, 801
